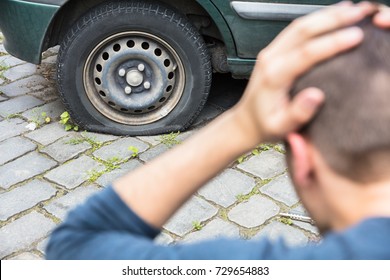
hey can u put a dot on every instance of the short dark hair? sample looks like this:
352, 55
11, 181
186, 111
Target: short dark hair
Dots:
352, 129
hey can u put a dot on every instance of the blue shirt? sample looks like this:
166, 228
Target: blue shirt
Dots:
105, 228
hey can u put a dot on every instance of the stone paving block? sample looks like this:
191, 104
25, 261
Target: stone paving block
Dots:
209, 112
50, 59
120, 149
156, 139
276, 230
153, 152
61, 206
63, 149
74, 173
185, 135
24, 168
19, 234
194, 210
48, 134
281, 189
27, 256
41, 247
164, 239
253, 212
46, 94
2, 49
266, 165
215, 229
12, 127
13, 148
51, 51
98, 137
21, 71
10, 61
224, 189
18, 105
24, 197
153, 140
52, 110
107, 178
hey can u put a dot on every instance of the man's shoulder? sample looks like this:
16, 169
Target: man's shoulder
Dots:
369, 239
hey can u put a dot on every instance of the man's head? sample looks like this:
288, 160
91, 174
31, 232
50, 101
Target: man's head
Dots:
352, 130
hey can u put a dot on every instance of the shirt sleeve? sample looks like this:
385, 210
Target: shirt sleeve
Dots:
106, 228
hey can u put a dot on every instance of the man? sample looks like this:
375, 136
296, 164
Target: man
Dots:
354, 214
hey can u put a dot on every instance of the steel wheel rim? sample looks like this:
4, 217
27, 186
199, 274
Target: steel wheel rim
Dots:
134, 78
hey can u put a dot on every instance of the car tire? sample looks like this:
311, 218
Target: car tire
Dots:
133, 68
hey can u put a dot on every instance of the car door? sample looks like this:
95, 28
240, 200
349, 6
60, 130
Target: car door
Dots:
254, 24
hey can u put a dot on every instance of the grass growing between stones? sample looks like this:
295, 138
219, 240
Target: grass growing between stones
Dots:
3, 68
13, 116
246, 197
286, 221
67, 122
223, 214
110, 165
170, 139
197, 225
84, 138
254, 191
257, 151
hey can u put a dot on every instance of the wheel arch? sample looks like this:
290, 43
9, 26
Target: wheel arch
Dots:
202, 13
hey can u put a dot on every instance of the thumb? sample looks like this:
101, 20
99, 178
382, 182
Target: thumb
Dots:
304, 106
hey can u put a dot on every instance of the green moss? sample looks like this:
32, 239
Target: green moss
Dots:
286, 221
170, 139
197, 225
245, 197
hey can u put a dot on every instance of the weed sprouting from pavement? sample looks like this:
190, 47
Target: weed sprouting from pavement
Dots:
170, 139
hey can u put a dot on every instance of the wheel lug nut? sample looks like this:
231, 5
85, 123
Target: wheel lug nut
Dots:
141, 67
127, 90
147, 85
122, 72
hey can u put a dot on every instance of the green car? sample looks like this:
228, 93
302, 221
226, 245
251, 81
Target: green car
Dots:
141, 67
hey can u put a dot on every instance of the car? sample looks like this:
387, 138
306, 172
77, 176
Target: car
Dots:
143, 67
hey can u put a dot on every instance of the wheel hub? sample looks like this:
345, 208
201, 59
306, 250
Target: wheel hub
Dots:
134, 78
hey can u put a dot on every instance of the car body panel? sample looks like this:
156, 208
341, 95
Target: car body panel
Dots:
261, 30
245, 27
24, 25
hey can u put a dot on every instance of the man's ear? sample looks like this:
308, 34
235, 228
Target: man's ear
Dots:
300, 159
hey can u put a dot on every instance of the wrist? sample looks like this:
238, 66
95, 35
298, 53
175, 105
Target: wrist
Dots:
245, 127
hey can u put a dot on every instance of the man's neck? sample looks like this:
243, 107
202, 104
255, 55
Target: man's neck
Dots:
351, 202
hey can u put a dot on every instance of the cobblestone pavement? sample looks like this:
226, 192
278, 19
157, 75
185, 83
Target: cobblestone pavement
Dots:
47, 171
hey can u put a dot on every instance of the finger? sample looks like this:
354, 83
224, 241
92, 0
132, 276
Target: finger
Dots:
382, 18
303, 108
316, 51
320, 22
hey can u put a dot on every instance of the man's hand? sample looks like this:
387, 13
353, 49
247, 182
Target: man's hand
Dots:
382, 18
265, 109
